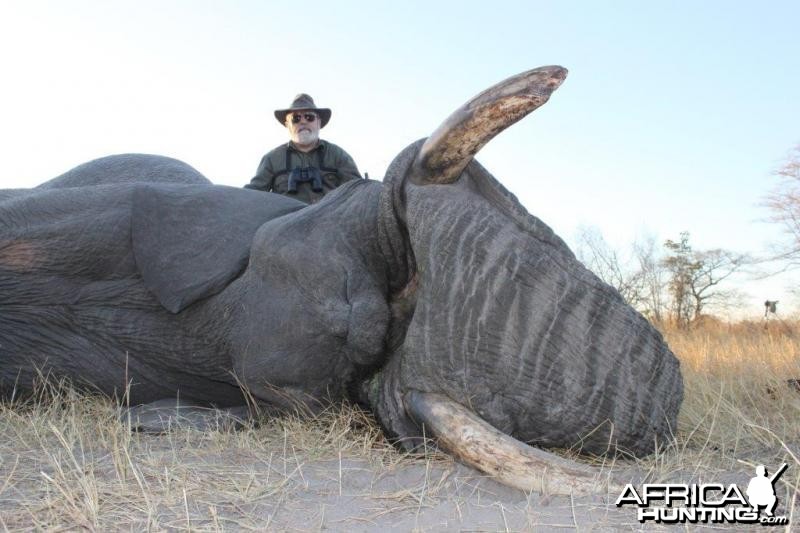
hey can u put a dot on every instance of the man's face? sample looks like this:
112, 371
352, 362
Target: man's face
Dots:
303, 127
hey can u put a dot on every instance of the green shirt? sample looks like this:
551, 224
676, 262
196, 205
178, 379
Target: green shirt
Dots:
273, 172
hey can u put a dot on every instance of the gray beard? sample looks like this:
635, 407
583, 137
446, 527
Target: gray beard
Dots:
305, 138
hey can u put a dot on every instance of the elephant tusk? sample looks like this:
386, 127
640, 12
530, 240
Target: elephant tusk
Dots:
478, 444
450, 148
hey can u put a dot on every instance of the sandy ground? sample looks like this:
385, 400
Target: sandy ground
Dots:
355, 495
208, 482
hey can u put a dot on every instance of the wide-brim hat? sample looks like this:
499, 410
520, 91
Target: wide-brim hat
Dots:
303, 102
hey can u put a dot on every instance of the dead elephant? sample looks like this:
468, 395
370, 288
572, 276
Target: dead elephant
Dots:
433, 298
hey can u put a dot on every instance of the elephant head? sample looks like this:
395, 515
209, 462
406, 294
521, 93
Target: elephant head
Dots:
505, 334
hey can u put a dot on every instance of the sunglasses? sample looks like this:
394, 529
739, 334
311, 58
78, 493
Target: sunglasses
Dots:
297, 117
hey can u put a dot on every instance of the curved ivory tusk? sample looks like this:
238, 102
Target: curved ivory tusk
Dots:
450, 148
514, 463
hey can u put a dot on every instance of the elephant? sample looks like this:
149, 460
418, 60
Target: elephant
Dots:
433, 298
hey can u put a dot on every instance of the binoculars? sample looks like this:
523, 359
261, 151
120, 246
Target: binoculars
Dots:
304, 175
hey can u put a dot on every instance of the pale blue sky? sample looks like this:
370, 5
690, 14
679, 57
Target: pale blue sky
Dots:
673, 116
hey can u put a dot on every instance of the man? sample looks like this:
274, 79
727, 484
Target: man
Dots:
307, 167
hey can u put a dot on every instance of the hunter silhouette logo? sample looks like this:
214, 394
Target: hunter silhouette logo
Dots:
761, 490
679, 503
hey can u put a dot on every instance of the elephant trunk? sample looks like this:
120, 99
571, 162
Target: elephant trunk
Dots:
510, 323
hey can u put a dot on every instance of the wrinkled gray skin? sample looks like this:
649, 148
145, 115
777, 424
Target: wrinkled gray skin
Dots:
135, 270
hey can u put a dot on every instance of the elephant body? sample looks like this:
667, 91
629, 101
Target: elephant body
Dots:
101, 284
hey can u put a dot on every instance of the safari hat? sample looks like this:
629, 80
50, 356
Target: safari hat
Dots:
303, 102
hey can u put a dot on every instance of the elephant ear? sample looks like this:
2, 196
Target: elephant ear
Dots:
190, 241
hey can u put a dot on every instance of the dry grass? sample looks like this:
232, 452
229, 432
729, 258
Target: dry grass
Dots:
738, 405
67, 462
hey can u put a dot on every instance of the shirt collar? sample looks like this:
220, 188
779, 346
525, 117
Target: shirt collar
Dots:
321, 145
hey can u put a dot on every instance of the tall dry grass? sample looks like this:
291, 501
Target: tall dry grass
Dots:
68, 462
741, 406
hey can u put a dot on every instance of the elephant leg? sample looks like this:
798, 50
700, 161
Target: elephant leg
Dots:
165, 415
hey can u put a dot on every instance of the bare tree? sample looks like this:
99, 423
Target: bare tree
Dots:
681, 284
713, 267
652, 273
599, 257
680, 265
784, 203
695, 276
637, 276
